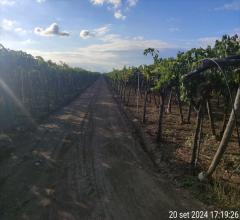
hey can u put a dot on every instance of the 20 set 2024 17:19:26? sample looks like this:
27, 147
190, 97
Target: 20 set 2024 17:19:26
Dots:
215, 214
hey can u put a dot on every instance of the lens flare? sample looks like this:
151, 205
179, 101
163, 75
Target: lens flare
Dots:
18, 103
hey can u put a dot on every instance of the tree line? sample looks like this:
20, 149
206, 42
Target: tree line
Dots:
31, 88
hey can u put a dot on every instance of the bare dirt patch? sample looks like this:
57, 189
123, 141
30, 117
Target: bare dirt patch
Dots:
85, 162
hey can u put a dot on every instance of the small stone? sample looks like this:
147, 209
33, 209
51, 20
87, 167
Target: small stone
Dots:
45, 202
6, 146
5, 140
37, 163
14, 157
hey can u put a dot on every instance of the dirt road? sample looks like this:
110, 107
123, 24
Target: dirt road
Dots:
85, 163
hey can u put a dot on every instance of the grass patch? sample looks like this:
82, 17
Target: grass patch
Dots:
215, 193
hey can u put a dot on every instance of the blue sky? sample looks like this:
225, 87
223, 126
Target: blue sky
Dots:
103, 34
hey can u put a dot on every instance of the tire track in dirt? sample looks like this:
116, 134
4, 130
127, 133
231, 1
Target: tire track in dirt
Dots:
75, 185
23, 180
92, 166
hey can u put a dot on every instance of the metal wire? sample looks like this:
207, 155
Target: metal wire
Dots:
230, 94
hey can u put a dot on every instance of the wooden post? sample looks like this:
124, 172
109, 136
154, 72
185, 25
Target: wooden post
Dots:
189, 112
160, 119
226, 137
169, 107
145, 106
196, 135
210, 115
179, 105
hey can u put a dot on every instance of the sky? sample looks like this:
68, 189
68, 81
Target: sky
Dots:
100, 35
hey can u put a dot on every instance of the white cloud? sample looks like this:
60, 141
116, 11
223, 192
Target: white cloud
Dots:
114, 3
85, 34
121, 51
12, 35
102, 30
12, 26
8, 24
117, 6
41, 1
138, 38
234, 6
7, 2
98, 32
132, 3
118, 15
117, 43
28, 41
52, 30
20, 30
17, 44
